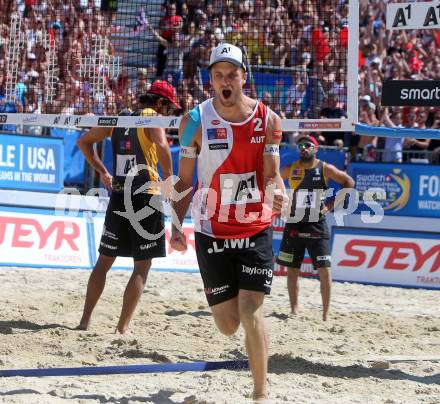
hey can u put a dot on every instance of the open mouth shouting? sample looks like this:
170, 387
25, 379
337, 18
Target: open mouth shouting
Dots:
226, 93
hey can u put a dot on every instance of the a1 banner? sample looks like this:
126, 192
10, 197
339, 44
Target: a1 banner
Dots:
38, 238
386, 257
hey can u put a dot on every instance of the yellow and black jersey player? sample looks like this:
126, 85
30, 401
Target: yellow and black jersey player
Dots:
306, 227
135, 152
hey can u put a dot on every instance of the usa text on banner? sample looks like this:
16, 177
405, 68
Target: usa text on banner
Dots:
31, 163
386, 257
38, 238
407, 189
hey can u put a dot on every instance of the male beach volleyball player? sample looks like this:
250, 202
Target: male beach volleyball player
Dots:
307, 228
136, 152
235, 141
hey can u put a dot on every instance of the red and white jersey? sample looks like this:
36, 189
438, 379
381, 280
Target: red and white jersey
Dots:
230, 191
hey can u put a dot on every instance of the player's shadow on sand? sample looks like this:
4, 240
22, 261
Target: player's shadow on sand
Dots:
281, 364
7, 327
162, 396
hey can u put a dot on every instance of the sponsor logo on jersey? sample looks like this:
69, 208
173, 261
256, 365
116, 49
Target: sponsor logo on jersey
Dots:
217, 134
215, 122
256, 271
231, 244
286, 257
109, 246
297, 174
218, 146
239, 188
217, 290
125, 144
147, 246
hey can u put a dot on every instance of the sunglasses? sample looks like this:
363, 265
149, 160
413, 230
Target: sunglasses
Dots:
305, 145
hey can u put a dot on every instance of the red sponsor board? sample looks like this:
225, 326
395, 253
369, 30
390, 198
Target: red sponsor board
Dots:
404, 258
37, 239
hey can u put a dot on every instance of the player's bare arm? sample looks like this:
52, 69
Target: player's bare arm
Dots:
341, 177
86, 145
158, 137
271, 161
187, 161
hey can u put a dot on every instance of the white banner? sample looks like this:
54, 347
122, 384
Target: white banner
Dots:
425, 15
87, 121
40, 240
409, 260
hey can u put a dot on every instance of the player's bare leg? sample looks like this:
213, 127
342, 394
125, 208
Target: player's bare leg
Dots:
325, 279
95, 287
293, 288
133, 293
226, 316
256, 340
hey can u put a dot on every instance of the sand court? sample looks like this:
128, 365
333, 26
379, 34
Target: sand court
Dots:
381, 345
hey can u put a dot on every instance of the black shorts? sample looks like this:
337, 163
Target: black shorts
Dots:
121, 239
228, 265
292, 252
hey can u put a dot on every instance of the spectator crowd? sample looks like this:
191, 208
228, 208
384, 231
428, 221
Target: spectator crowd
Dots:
296, 51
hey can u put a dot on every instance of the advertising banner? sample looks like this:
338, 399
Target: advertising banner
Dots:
31, 163
413, 15
406, 189
415, 93
38, 238
386, 257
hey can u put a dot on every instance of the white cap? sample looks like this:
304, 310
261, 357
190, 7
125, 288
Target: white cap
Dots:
226, 52
366, 98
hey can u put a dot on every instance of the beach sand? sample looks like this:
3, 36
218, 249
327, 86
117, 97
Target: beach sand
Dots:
381, 345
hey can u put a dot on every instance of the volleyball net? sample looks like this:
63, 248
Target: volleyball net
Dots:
78, 64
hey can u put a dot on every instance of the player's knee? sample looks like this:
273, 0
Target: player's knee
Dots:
227, 326
249, 309
324, 272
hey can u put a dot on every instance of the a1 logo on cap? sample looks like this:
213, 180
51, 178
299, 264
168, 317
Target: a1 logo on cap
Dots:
226, 49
